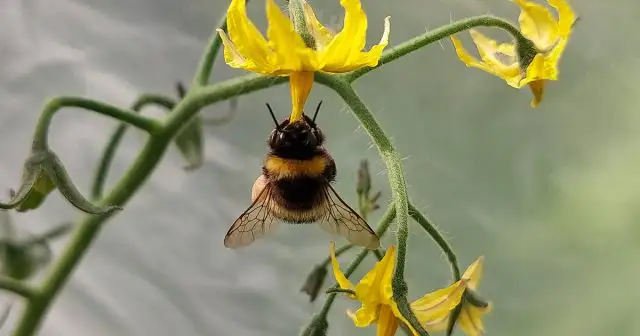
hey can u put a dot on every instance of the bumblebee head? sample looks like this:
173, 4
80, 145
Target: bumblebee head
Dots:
296, 138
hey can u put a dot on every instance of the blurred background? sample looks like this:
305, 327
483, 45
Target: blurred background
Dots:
549, 196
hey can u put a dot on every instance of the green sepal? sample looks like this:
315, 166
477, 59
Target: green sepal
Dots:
526, 51
42, 173
35, 186
453, 317
190, 143
363, 184
319, 326
314, 282
62, 180
190, 140
21, 261
300, 25
475, 299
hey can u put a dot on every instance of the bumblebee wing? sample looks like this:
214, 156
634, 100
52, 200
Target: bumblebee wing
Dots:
254, 223
342, 220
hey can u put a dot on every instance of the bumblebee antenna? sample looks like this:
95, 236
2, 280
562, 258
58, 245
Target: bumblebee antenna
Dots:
316, 113
273, 116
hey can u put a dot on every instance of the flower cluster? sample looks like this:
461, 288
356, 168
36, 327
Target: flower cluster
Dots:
286, 53
549, 36
298, 46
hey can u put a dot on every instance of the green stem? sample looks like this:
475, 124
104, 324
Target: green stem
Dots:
203, 73
197, 98
109, 152
89, 227
392, 160
383, 225
438, 238
40, 141
17, 287
436, 35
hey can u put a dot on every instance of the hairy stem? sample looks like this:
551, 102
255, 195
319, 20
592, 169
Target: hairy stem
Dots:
89, 226
438, 238
391, 158
40, 141
114, 141
436, 35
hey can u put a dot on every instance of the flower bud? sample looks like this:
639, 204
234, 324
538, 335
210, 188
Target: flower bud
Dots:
43, 172
20, 261
363, 186
314, 282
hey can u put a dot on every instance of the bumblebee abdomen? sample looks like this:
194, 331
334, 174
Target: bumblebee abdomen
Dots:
300, 193
277, 167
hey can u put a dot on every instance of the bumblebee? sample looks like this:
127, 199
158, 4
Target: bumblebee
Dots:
295, 187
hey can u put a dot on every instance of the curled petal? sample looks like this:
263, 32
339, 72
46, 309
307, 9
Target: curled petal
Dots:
566, 17
537, 23
337, 273
489, 52
247, 40
470, 320
365, 315
371, 287
436, 305
321, 34
387, 322
290, 52
473, 273
510, 74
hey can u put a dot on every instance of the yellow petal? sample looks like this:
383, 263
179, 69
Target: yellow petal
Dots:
344, 52
321, 34
537, 24
437, 325
290, 52
473, 273
367, 58
553, 58
436, 305
247, 39
537, 88
337, 273
387, 322
470, 320
489, 51
231, 54
367, 314
300, 83
510, 74
354, 30
370, 288
566, 16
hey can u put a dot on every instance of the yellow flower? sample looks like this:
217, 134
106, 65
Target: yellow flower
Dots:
376, 295
470, 318
548, 34
286, 54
